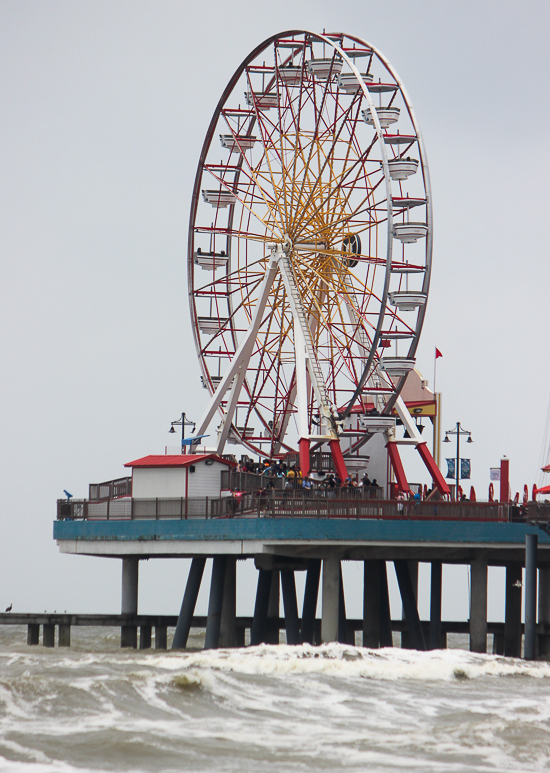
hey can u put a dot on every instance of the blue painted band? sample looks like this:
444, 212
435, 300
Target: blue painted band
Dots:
331, 530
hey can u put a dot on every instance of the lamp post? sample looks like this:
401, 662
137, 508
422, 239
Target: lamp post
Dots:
183, 422
458, 431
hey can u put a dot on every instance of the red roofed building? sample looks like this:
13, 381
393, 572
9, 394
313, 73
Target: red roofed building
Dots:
184, 475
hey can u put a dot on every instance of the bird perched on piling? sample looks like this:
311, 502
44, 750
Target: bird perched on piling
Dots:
9, 609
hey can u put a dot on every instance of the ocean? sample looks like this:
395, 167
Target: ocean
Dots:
95, 707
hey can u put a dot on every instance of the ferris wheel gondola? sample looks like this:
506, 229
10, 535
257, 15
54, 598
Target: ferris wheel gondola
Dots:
308, 281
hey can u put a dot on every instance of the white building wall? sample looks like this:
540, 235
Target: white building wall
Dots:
206, 480
169, 482
151, 482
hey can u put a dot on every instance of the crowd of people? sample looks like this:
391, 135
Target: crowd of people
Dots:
294, 480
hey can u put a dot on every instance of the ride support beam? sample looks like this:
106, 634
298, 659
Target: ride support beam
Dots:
338, 459
305, 462
397, 466
188, 604
311, 595
435, 472
410, 608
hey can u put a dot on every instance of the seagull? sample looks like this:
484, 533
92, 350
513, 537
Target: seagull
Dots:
9, 609
69, 496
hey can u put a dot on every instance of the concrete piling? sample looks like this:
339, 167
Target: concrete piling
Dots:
435, 605
213, 622
145, 637
188, 604
478, 605
529, 650
386, 635
512, 613
64, 635
344, 636
410, 608
372, 572
48, 635
290, 604
406, 637
129, 603
544, 609
331, 596
161, 637
228, 628
259, 621
311, 594
272, 623
33, 633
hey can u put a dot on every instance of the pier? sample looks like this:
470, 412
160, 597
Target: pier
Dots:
313, 534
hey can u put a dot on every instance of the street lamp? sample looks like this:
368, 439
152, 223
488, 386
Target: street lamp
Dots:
458, 431
183, 422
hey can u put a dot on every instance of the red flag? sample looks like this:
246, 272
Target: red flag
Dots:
437, 353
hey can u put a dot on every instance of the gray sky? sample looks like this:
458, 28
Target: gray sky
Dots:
104, 109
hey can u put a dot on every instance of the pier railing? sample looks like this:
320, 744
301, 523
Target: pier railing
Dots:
111, 489
276, 504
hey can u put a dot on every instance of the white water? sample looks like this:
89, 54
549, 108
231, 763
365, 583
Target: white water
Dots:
94, 707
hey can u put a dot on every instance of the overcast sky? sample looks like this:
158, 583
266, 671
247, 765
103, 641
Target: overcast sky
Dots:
104, 109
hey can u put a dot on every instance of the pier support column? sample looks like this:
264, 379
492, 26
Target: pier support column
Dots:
64, 635
129, 605
544, 609
290, 604
161, 637
194, 579
311, 594
529, 647
512, 613
386, 634
372, 575
48, 635
145, 637
213, 621
435, 605
407, 589
33, 633
259, 621
344, 636
406, 637
228, 626
129, 602
331, 596
272, 623
478, 605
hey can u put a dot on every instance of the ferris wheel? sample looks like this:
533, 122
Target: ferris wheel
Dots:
310, 244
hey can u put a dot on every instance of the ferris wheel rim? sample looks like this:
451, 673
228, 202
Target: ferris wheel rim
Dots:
389, 247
